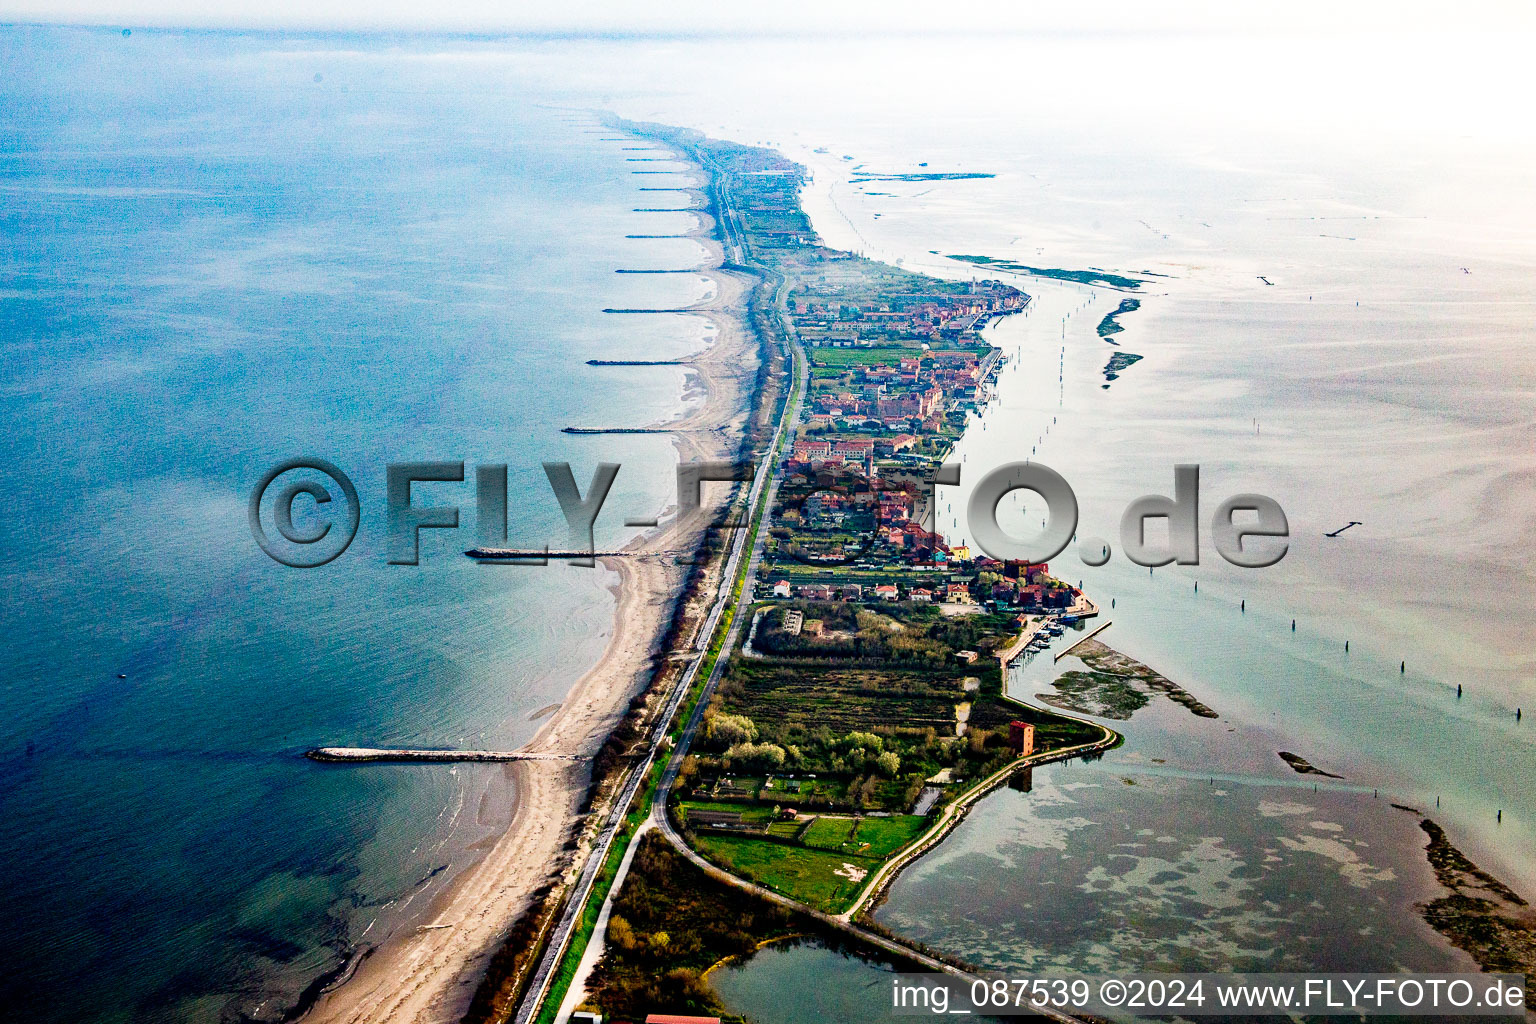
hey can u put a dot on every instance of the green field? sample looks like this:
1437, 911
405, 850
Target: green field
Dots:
884, 836
806, 875
843, 698
809, 871
840, 358
756, 813
828, 833
887, 835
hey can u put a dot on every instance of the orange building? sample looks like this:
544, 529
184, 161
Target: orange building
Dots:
1021, 737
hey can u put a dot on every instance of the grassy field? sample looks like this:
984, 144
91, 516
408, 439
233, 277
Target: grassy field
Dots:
810, 876
884, 836
887, 835
755, 813
843, 698
828, 833
839, 359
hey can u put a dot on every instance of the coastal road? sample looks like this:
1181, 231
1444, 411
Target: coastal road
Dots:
951, 816
742, 540
659, 817
664, 826
560, 938
751, 542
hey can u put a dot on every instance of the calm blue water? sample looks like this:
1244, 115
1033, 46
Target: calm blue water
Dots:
219, 254
224, 251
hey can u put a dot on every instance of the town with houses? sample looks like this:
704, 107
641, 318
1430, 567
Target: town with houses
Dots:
865, 705
894, 378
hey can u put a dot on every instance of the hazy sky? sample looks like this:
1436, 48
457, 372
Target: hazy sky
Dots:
986, 16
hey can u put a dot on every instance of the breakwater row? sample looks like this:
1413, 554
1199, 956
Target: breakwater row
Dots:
637, 362
374, 755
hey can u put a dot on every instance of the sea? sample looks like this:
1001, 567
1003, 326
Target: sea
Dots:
230, 249
220, 255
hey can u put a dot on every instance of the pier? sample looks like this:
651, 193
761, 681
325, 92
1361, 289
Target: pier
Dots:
680, 309
638, 362
619, 430
498, 554
1080, 643
684, 270
376, 755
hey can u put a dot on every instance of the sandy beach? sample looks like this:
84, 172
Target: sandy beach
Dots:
429, 973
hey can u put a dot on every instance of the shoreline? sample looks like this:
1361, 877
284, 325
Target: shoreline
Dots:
430, 971
1153, 680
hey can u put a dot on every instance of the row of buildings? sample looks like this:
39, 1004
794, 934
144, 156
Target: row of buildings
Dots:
1003, 586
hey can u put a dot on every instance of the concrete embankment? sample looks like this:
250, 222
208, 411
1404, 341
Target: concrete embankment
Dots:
660, 309
361, 755
617, 430
1084, 640
534, 554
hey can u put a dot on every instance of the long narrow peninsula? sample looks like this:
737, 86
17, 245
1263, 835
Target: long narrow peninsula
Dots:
852, 702
851, 705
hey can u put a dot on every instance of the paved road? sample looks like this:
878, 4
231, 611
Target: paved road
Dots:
766, 475
659, 815
664, 826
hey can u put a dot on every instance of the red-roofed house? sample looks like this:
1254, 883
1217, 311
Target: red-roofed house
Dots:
812, 450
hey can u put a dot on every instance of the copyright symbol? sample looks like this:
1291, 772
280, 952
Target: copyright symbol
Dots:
315, 542
1112, 993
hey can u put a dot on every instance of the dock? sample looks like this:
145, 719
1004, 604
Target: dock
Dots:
377, 755
1005, 657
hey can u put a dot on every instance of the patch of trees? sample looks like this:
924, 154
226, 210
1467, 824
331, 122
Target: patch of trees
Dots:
671, 923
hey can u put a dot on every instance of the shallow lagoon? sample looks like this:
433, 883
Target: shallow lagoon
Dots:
1190, 848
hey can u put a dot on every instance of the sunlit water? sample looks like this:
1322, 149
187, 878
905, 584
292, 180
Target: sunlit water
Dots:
226, 250
1338, 314
218, 258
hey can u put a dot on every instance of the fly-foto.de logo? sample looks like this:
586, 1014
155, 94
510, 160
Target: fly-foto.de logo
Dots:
1247, 530
331, 511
